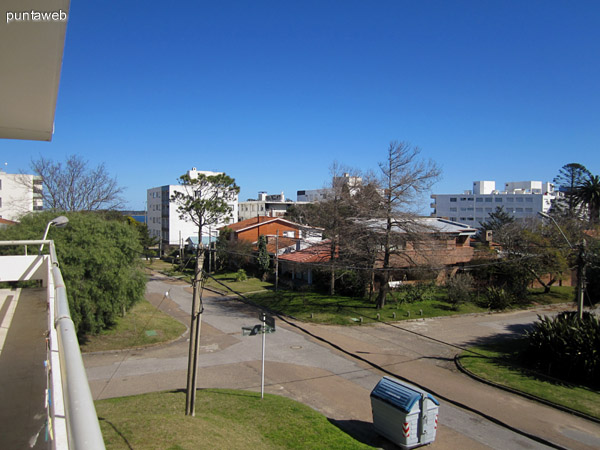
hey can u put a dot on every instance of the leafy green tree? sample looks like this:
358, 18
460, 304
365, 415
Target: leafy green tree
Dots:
588, 193
100, 263
496, 220
569, 177
146, 241
263, 257
530, 251
592, 274
232, 254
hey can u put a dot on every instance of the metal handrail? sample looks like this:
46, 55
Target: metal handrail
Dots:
83, 429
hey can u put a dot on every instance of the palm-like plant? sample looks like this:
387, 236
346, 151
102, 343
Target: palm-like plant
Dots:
588, 194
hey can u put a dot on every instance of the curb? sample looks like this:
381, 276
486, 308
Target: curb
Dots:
521, 393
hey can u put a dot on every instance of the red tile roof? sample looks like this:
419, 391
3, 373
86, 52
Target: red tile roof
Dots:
318, 253
282, 242
249, 222
7, 222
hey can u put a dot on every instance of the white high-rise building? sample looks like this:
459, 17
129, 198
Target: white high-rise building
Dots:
19, 194
521, 199
164, 221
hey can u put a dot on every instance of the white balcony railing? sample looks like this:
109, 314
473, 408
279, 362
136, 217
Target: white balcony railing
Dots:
71, 413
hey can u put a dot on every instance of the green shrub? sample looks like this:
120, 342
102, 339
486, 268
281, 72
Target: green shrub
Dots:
351, 283
100, 263
412, 293
240, 275
566, 347
496, 298
459, 289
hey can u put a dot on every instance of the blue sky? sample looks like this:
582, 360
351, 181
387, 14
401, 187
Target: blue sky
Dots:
272, 92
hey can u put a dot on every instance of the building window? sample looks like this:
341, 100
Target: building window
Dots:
529, 200
528, 210
452, 199
452, 209
479, 199
519, 199
498, 200
488, 199
519, 210
478, 209
510, 199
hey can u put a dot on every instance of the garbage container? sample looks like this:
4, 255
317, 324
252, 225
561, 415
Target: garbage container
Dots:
404, 414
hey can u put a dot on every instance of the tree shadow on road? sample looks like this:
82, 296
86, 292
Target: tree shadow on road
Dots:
514, 332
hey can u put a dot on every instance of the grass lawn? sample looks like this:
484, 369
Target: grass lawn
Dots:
557, 294
323, 308
250, 285
224, 419
228, 278
495, 363
340, 310
142, 325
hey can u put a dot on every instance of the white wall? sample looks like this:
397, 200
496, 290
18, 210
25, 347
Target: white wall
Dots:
164, 220
471, 209
17, 196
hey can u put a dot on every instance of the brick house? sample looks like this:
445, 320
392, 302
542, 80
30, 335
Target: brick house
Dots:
437, 243
282, 235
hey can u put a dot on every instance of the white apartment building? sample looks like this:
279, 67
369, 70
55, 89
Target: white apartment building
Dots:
266, 205
164, 221
522, 199
19, 194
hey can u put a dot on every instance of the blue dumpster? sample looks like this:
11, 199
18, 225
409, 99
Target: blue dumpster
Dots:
404, 414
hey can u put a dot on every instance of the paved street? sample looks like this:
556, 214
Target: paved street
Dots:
333, 369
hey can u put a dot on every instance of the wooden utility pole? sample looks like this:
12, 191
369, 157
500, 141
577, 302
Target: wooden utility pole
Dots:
276, 259
581, 263
195, 328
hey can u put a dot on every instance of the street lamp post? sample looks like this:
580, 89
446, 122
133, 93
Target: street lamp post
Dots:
59, 221
581, 264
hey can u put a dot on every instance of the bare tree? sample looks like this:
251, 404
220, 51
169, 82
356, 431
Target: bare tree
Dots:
73, 186
404, 178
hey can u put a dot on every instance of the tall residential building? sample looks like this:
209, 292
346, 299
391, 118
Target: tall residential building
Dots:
265, 205
19, 194
164, 221
522, 199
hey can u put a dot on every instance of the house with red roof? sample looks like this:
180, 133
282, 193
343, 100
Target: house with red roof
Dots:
300, 264
282, 235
